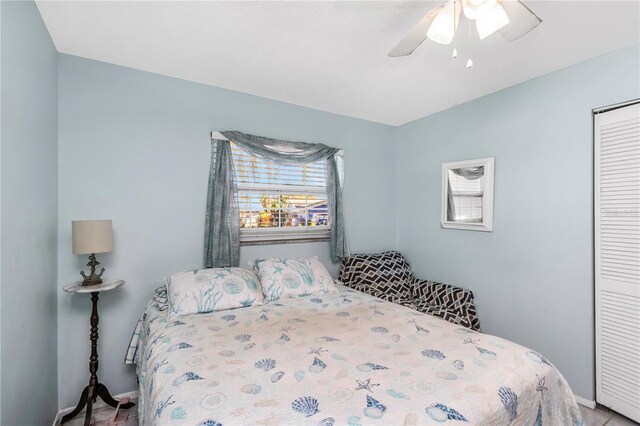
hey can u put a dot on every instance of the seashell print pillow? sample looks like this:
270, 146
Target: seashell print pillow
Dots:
292, 277
209, 290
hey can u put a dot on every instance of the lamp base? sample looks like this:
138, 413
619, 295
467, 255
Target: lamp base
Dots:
91, 281
92, 278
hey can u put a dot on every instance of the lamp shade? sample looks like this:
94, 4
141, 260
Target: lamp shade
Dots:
92, 236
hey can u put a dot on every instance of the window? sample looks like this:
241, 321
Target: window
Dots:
467, 197
280, 202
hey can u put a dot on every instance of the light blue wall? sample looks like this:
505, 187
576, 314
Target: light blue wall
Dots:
134, 147
29, 217
533, 275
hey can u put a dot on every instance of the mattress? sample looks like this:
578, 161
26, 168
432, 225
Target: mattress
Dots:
339, 358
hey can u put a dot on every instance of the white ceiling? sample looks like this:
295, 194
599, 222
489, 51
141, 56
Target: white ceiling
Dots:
330, 55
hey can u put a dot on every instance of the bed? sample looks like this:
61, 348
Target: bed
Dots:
346, 358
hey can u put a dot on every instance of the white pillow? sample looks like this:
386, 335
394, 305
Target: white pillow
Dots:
208, 290
292, 277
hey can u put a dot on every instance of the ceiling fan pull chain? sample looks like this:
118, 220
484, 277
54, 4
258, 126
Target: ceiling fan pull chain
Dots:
469, 62
454, 54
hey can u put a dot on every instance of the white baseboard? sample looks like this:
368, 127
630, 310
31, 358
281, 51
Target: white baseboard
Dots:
584, 401
99, 404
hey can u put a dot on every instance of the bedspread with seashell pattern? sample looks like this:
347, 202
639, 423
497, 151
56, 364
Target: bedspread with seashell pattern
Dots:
343, 358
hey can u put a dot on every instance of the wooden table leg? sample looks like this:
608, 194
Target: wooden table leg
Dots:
95, 389
79, 407
103, 393
93, 358
91, 398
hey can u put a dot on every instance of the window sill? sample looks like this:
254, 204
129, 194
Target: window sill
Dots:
283, 236
282, 241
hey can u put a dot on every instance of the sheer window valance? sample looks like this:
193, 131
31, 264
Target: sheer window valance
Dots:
222, 226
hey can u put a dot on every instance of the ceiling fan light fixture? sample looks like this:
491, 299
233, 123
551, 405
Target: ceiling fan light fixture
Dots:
444, 25
475, 9
492, 21
509, 17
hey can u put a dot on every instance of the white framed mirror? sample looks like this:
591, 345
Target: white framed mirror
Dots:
467, 195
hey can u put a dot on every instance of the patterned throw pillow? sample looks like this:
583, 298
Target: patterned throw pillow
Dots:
386, 275
293, 277
208, 290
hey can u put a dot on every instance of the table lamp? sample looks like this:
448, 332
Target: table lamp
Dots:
91, 237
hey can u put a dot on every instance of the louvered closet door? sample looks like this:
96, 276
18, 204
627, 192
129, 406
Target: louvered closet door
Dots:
617, 257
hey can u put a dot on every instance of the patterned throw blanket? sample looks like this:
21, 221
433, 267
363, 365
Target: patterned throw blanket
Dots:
345, 358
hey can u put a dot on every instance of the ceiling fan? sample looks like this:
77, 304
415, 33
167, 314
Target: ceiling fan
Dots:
509, 17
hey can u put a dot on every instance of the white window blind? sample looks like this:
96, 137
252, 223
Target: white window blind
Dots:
467, 197
280, 202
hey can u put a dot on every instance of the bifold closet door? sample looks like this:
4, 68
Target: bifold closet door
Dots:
617, 259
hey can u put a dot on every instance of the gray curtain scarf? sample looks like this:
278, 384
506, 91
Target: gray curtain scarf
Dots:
469, 173
222, 218
222, 225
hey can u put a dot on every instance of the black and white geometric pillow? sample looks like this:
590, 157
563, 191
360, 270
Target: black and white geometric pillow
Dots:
386, 275
448, 296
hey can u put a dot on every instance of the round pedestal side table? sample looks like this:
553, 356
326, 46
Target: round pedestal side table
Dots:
94, 389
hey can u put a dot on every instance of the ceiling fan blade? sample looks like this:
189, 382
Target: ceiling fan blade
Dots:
522, 20
415, 37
